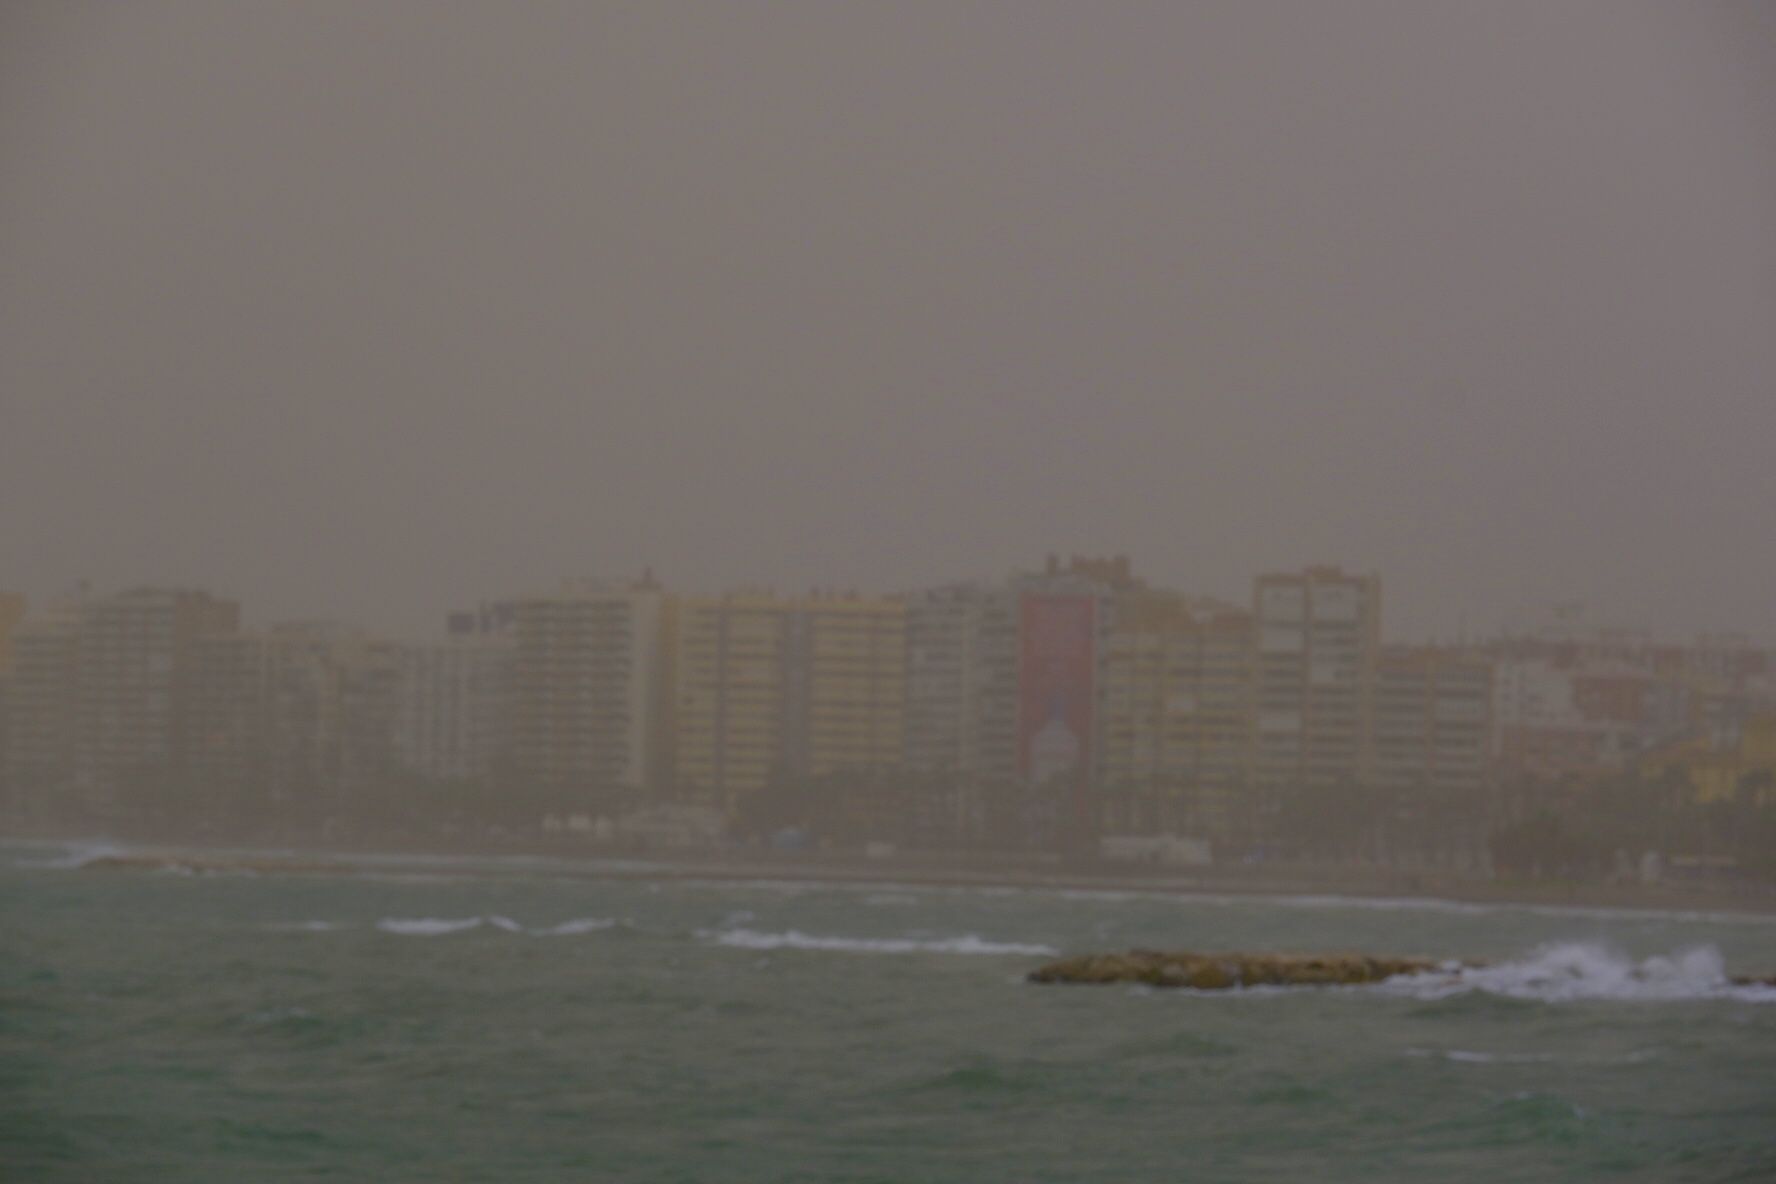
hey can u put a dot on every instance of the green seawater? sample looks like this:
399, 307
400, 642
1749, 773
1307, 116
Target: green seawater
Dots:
532, 1026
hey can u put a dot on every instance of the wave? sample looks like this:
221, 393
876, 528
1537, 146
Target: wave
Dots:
1463, 1056
575, 927
438, 926
793, 939
1565, 972
72, 855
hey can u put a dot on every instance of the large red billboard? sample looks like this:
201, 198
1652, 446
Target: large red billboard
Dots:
1058, 639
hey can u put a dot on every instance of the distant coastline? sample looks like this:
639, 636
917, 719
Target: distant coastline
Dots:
918, 870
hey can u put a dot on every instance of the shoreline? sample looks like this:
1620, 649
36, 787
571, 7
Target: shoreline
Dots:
911, 871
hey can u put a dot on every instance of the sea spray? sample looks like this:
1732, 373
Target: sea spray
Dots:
1561, 972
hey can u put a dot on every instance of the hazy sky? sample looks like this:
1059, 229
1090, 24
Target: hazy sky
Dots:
369, 309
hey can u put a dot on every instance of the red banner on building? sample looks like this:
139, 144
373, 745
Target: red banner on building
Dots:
1058, 638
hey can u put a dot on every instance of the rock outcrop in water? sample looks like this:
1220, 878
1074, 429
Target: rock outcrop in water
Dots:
1221, 972
1217, 972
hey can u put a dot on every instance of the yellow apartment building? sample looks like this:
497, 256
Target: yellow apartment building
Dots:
766, 687
1178, 715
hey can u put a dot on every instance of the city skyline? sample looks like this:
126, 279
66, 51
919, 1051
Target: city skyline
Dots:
1064, 707
603, 590
411, 623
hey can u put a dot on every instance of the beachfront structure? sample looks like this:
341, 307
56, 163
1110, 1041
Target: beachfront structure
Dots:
584, 690
1431, 749
297, 721
1318, 635
846, 667
961, 681
12, 611
452, 705
132, 675
768, 688
1179, 717
729, 684
39, 711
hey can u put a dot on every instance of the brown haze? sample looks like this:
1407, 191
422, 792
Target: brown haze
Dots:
369, 309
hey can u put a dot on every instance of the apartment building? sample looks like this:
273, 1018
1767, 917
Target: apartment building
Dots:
1319, 640
731, 686
132, 678
768, 687
1431, 746
961, 680
12, 612
453, 700
584, 689
295, 721
40, 699
1178, 716
990, 667
846, 667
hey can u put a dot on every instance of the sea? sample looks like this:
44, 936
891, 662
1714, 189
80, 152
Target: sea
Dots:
523, 1020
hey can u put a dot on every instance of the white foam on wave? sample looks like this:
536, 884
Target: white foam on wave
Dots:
1565, 972
72, 855
438, 926
793, 939
1463, 1056
575, 927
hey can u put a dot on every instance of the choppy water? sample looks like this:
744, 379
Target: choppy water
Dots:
537, 1027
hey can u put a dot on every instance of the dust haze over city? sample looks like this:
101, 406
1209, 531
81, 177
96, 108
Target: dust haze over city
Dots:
355, 311
850, 519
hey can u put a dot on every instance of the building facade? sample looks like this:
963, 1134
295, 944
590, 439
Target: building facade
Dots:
1318, 638
583, 694
961, 680
453, 706
1179, 717
133, 668
40, 690
771, 689
1432, 759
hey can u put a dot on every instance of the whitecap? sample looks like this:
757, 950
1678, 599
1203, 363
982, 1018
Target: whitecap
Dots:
575, 927
1573, 971
427, 926
752, 939
78, 855
1463, 1056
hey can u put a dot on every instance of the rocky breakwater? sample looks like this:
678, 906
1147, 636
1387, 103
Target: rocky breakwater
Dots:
1220, 972
1224, 972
